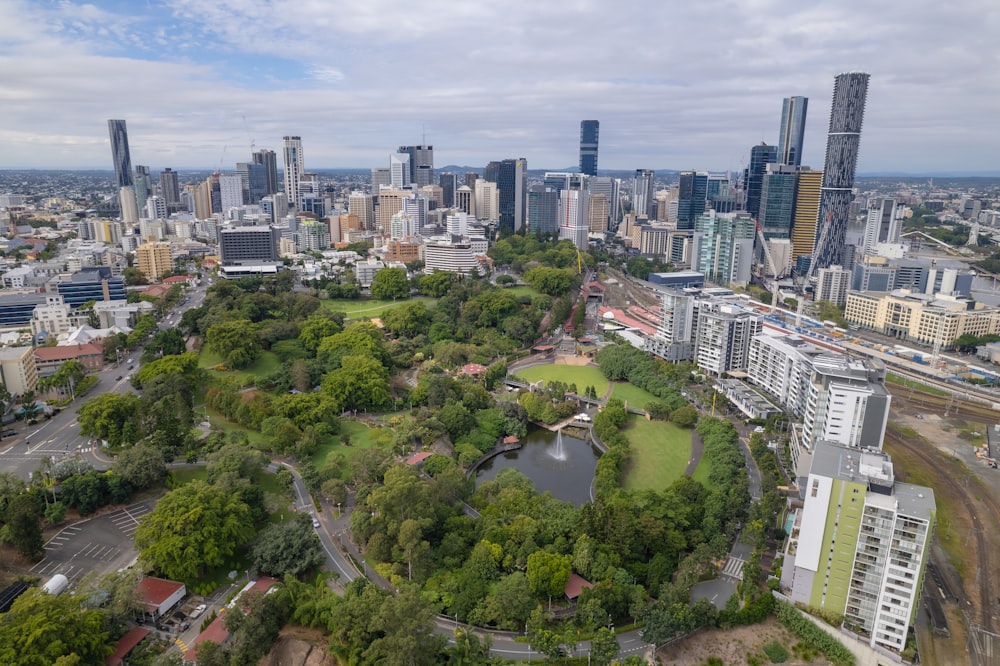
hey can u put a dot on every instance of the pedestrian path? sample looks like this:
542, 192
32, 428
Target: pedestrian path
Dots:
181, 645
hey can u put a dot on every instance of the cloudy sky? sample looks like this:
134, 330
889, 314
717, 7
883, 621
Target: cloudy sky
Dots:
676, 85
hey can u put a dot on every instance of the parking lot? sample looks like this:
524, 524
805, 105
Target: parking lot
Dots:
100, 544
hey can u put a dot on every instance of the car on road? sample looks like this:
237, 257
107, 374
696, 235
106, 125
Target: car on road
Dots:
8, 433
199, 609
315, 521
118, 378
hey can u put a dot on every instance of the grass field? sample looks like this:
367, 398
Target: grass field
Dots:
581, 375
361, 438
906, 382
183, 475
632, 394
219, 421
265, 364
522, 290
659, 453
362, 309
703, 471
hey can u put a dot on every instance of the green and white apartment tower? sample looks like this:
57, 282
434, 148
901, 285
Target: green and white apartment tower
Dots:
860, 543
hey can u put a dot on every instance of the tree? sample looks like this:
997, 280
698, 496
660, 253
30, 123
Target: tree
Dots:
69, 375
290, 547
192, 529
134, 277
360, 382
548, 280
315, 328
548, 573
168, 342
390, 284
437, 284
603, 647
235, 341
24, 528
685, 416
44, 629
234, 461
408, 319
111, 416
141, 466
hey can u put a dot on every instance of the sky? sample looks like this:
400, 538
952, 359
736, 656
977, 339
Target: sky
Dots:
675, 85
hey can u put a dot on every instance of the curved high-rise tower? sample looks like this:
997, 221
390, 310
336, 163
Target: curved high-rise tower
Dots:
843, 138
119, 153
792, 131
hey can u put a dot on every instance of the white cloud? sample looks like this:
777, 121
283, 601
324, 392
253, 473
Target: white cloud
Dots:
674, 86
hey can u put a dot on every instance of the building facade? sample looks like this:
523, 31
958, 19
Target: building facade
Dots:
589, 134
929, 320
294, 162
792, 131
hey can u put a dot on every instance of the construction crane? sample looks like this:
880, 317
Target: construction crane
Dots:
824, 232
770, 264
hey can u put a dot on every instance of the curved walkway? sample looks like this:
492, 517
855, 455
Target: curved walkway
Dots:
697, 450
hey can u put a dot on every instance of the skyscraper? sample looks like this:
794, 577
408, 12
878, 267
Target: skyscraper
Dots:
119, 153
512, 183
589, 131
692, 195
643, 193
807, 194
846, 115
421, 164
399, 169
143, 185
448, 184
753, 178
793, 128
294, 168
269, 160
883, 223
170, 190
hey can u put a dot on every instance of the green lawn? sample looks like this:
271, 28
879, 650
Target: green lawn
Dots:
265, 364
906, 382
659, 453
581, 375
632, 394
361, 438
219, 421
703, 471
183, 475
361, 309
522, 290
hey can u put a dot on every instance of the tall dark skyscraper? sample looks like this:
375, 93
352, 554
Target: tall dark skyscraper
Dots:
692, 195
448, 183
753, 177
543, 210
119, 153
269, 160
847, 112
589, 132
512, 182
143, 186
170, 190
793, 128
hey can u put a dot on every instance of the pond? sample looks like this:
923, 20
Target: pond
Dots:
557, 463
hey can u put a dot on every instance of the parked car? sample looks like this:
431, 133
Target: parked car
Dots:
315, 521
199, 609
8, 433
118, 378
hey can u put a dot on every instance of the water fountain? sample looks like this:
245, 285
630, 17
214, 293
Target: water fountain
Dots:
559, 453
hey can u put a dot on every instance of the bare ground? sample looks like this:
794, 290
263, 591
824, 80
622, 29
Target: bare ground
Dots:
736, 646
298, 646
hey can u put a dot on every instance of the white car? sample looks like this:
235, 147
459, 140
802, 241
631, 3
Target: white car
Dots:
199, 609
315, 521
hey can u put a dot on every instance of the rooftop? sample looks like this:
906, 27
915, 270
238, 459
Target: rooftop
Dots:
155, 591
125, 645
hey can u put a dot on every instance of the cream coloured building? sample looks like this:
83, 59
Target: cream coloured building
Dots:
921, 318
17, 369
154, 259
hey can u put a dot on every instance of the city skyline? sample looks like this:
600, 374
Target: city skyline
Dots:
198, 83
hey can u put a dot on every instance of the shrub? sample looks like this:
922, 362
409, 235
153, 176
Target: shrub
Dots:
812, 635
776, 652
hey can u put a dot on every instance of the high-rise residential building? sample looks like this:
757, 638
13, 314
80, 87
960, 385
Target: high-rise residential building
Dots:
416, 207
421, 164
643, 193
231, 190
611, 189
294, 162
154, 260
723, 334
254, 178
843, 139
792, 130
170, 190
846, 402
380, 176
692, 197
487, 204
249, 244
598, 213
143, 186
884, 221
360, 204
860, 544
18, 371
156, 208
129, 206
804, 227
390, 202
269, 160
120, 156
574, 215
448, 183
589, 133
512, 185
674, 338
832, 284
399, 170
543, 210
753, 177
722, 247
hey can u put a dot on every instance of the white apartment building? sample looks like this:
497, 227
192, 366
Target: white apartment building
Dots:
674, 339
448, 255
54, 317
847, 403
782, 365
832, 283
723, 336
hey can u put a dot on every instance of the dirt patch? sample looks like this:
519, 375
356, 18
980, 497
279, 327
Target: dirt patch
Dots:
739, 646
298, 646
571, 360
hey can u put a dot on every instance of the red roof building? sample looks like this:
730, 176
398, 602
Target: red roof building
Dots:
216, 631
156, 290
418, 458
126, 644
576, 585
160, 595
473, 369
510, 439
179, 279
48, 359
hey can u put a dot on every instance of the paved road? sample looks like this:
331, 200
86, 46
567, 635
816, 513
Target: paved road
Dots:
59, 437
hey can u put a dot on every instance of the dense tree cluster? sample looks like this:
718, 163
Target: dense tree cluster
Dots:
626, 363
